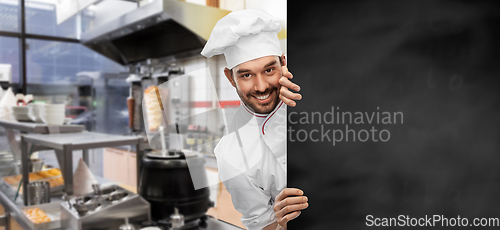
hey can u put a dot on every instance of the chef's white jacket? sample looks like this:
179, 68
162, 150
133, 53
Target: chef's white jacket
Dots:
251, 160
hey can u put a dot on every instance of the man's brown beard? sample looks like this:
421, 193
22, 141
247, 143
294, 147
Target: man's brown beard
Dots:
272, 104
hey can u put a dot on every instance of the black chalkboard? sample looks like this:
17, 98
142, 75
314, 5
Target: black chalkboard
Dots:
437, 63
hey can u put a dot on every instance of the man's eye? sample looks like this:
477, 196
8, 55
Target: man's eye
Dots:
270, 70
246, 75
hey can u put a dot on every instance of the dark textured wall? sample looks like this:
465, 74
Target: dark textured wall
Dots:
437, 62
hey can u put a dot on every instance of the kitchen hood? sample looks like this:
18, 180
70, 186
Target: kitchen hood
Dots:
158, 29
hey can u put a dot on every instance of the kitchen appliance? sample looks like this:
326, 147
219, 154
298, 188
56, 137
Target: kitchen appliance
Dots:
158, 29
166, 182
105, 208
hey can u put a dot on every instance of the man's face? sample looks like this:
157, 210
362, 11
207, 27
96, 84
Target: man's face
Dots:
257, 83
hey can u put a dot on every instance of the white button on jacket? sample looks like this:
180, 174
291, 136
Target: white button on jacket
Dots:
251, 160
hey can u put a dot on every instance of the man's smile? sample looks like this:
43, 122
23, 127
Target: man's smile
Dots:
263, 99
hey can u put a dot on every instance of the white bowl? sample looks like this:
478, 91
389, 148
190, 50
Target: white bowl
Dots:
34, 113
36, 106
54, 106
44, 113
53, 120
53, 116
52, 109
51, 113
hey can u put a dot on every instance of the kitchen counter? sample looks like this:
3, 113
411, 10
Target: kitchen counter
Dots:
15, 211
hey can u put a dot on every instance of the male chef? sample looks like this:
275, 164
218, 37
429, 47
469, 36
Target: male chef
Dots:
251, 157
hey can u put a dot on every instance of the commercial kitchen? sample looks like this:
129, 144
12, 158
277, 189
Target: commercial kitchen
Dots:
109, 114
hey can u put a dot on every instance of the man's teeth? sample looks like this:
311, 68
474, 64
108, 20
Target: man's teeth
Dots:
262, 97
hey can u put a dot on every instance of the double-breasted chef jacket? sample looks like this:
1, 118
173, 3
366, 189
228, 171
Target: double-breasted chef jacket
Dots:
252, 163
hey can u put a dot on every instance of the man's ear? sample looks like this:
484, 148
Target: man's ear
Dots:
229, 76
283, 60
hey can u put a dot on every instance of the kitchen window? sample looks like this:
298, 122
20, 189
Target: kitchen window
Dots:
9, 15
9, 55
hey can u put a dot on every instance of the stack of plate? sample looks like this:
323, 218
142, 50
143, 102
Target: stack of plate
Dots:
20, 113
53, 114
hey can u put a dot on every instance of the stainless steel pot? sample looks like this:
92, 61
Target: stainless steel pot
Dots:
36, 165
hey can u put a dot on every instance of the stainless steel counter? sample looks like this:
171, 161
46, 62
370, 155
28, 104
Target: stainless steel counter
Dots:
15, 211
15, 208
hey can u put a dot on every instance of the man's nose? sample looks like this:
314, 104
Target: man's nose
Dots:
260, 84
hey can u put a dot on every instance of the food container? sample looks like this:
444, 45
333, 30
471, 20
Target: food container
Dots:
105, 210
38, 193
36, 165
52, 210
53, 176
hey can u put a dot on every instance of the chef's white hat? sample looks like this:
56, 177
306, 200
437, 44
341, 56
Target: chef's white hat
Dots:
243, 36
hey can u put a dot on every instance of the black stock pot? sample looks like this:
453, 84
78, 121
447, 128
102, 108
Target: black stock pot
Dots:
166, 182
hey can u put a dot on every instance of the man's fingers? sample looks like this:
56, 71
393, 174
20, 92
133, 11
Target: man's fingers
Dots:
289, 202
284, 220
288, 192
301, 200
291, 208
288, 101
286, 73
287, 83
293, 96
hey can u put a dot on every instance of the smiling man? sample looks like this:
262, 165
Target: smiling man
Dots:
257, 83
251, 157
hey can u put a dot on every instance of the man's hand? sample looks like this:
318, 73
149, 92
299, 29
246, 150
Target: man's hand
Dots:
286, 95
288, 205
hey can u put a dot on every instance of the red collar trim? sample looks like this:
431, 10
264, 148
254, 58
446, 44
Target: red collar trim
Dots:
244, 106
263, 125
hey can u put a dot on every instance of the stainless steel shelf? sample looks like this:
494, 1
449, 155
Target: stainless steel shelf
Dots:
64, 145
81, 140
